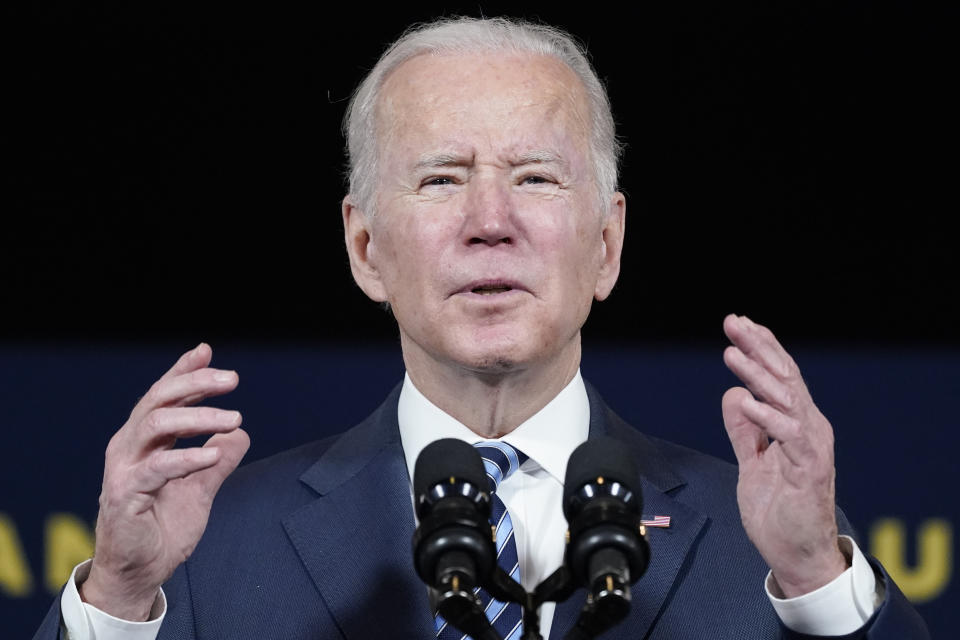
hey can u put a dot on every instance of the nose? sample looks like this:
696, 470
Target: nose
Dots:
489, 216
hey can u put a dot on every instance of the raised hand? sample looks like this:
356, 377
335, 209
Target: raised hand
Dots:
155, 499
784, 447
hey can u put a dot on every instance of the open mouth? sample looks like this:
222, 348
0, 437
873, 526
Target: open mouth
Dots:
491, 289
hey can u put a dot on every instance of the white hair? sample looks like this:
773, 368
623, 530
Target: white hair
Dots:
471, 35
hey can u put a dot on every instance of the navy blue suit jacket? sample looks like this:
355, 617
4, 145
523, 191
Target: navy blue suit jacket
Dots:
315, 543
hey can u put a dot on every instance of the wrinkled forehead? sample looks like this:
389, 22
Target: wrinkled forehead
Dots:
481, 90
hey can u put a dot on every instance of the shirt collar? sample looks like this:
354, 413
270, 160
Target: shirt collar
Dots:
548, 437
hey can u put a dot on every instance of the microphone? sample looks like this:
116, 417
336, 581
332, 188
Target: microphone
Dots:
453, 548
606, 551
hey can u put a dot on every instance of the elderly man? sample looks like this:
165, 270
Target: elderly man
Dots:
483, 209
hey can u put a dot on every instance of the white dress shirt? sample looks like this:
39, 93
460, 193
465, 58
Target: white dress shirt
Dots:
533, 495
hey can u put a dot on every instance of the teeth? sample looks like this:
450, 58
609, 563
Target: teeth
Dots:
486, 291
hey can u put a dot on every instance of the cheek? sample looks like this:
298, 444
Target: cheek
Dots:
577, 243
584, 258
407, 257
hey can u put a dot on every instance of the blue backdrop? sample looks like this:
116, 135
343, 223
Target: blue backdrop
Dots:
892, 410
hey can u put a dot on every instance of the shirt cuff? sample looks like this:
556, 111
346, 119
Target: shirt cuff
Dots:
84, 621
837, 608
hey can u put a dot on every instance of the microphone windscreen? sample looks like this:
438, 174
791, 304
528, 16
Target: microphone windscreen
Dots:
442, 459
598, 457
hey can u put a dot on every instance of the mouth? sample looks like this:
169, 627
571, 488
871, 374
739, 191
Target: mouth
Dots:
489, 290
491, 287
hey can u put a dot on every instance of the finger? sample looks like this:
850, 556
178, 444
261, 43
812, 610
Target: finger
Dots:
762, 383
782, 428
168, 424
232, 447
747, 438
163, 466
197, 358
188, 388
758, 343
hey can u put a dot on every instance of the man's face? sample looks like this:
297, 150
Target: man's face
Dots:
488, 241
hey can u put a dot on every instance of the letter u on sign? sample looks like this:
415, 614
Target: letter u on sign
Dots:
931, 575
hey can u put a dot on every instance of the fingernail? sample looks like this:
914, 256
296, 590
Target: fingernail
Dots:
224, 376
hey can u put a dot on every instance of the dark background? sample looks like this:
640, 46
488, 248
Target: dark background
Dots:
177, 172
174, 175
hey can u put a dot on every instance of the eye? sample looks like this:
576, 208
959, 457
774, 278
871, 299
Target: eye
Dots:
438, 181
535, 179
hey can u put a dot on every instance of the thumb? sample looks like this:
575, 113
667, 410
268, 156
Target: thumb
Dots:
232, 446
747, 438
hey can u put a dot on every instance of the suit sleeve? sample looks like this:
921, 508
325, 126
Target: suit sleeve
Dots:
894, 619
89, 623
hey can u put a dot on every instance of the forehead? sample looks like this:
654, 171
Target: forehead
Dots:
482, 95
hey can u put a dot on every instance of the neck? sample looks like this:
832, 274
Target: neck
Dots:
491, 402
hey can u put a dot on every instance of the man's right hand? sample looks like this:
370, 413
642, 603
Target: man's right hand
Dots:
156, 499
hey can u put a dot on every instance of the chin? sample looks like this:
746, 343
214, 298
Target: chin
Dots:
494, 364
496, 357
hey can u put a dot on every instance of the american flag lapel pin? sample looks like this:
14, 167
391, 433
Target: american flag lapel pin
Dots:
662, 522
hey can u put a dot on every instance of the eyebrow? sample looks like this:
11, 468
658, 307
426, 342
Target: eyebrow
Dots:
434, 160
536, 157
437, 160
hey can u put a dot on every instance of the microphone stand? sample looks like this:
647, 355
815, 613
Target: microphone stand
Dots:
556, 588
607, 603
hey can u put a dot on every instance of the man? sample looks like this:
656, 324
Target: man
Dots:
483, 209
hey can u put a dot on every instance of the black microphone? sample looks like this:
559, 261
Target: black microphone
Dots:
453, 548
606, 551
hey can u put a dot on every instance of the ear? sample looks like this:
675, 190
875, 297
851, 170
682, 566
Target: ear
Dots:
611, 246
357, 233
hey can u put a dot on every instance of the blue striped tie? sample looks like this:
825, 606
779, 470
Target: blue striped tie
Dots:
500, 460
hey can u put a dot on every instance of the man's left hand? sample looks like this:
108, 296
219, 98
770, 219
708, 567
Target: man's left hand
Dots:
784, 447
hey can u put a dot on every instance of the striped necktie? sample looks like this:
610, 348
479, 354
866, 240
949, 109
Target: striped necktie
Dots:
500, 461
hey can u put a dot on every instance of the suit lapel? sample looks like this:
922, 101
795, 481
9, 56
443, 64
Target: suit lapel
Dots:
354, 539
668, 547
